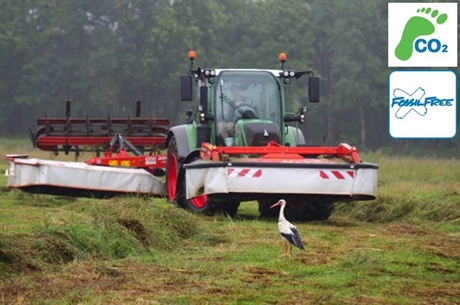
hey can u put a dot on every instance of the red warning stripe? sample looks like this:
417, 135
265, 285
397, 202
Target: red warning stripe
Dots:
245, 172
337, 175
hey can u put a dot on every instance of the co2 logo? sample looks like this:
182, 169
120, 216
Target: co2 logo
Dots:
432, 45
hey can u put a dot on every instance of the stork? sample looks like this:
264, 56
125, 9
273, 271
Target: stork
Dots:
288, 231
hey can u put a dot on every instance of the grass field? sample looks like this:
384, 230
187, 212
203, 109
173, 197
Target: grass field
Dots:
403, 248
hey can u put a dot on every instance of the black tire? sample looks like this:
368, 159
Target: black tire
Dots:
229, 208
265, 211
323, 210
200, 204
310, 211
204, 205
173, 164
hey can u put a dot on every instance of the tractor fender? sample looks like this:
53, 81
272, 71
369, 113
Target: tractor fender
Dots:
190, 157
294, 136
185, 138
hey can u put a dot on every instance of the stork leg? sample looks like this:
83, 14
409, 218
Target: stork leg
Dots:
290, 249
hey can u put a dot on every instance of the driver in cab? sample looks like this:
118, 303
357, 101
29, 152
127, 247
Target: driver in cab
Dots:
239, 99
226, 126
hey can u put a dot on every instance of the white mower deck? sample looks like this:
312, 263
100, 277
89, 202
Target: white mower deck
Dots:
78, 178
307, 176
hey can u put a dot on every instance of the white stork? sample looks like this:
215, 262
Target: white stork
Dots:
288, 231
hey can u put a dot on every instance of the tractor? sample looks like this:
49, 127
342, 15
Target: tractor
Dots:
238, 146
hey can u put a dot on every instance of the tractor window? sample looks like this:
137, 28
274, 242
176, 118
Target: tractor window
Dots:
255, 89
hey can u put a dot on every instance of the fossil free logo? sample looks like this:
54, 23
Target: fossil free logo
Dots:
422, 104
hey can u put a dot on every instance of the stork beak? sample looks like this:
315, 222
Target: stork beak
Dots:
276, 204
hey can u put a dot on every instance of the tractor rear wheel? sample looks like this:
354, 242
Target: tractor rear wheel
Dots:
173, 164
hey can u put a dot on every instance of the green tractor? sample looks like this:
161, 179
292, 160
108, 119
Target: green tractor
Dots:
237, 146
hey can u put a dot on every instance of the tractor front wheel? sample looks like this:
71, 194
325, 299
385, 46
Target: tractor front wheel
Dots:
200, 204
264, 208
229, 208
310, 211
301, 211
203, 205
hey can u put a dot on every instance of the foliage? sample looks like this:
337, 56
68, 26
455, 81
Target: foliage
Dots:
105, 54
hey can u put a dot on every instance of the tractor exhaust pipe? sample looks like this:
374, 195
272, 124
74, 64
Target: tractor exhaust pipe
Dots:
67, 108
138, 108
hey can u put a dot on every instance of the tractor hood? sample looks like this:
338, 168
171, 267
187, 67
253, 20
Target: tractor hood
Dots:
256, 132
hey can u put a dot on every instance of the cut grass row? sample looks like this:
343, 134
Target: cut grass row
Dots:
222, 260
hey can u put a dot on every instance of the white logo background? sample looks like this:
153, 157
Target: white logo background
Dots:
446, 33
438, 121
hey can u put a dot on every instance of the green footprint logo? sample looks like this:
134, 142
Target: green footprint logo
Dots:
417, 26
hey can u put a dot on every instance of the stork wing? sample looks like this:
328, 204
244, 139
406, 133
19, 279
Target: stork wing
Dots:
294, 238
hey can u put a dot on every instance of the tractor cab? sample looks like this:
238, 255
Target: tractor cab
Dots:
247, 108
244, 107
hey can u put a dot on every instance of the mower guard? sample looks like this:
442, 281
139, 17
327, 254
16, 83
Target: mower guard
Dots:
80, 179
353, 181
275, 169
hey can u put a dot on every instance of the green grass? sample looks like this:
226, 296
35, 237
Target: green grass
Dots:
399, 249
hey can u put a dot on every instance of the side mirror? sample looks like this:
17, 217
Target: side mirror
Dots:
189, 113
204, 98
313, 89
186, 93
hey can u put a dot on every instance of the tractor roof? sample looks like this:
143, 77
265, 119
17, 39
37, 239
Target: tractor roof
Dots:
276, 73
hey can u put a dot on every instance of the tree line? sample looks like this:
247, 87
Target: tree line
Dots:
103, 55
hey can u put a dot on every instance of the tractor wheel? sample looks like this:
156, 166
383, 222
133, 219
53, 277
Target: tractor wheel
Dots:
200, 204
323, 210
203, 205
173, 165
264, 208
309, 211
229, 208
